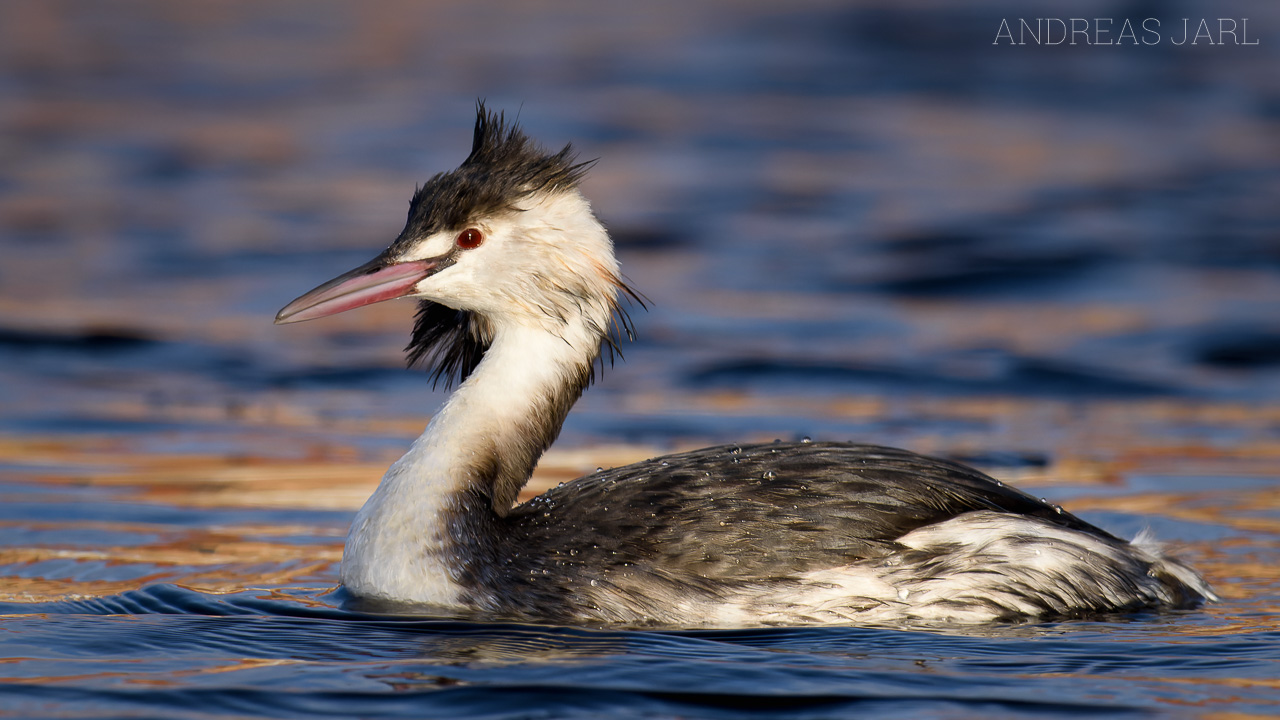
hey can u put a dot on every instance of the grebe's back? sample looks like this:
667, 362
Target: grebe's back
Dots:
812, 533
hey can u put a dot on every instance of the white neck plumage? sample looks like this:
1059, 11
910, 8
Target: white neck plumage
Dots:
475, 455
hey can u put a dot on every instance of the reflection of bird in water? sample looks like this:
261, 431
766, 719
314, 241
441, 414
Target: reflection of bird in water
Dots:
519, 293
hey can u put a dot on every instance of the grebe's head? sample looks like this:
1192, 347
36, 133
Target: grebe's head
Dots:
506, 238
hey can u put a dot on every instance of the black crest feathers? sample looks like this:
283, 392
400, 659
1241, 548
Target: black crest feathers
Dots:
504, 166
504, 148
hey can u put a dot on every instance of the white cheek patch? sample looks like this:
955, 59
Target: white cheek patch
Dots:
433, 247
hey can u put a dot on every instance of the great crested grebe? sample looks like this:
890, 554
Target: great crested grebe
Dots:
519, 294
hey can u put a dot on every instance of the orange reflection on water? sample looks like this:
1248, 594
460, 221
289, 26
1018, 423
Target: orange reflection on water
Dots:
139, 676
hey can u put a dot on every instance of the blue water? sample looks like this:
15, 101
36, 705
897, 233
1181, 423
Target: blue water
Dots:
293, 653
1059, 263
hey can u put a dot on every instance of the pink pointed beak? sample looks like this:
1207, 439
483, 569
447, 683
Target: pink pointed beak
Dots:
372, 282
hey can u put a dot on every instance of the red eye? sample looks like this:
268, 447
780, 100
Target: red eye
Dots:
469, 239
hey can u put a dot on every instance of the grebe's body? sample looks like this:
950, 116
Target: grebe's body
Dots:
780, 533
519, 290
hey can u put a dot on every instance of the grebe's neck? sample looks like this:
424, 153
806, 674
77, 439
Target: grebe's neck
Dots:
482, 445
492, 431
